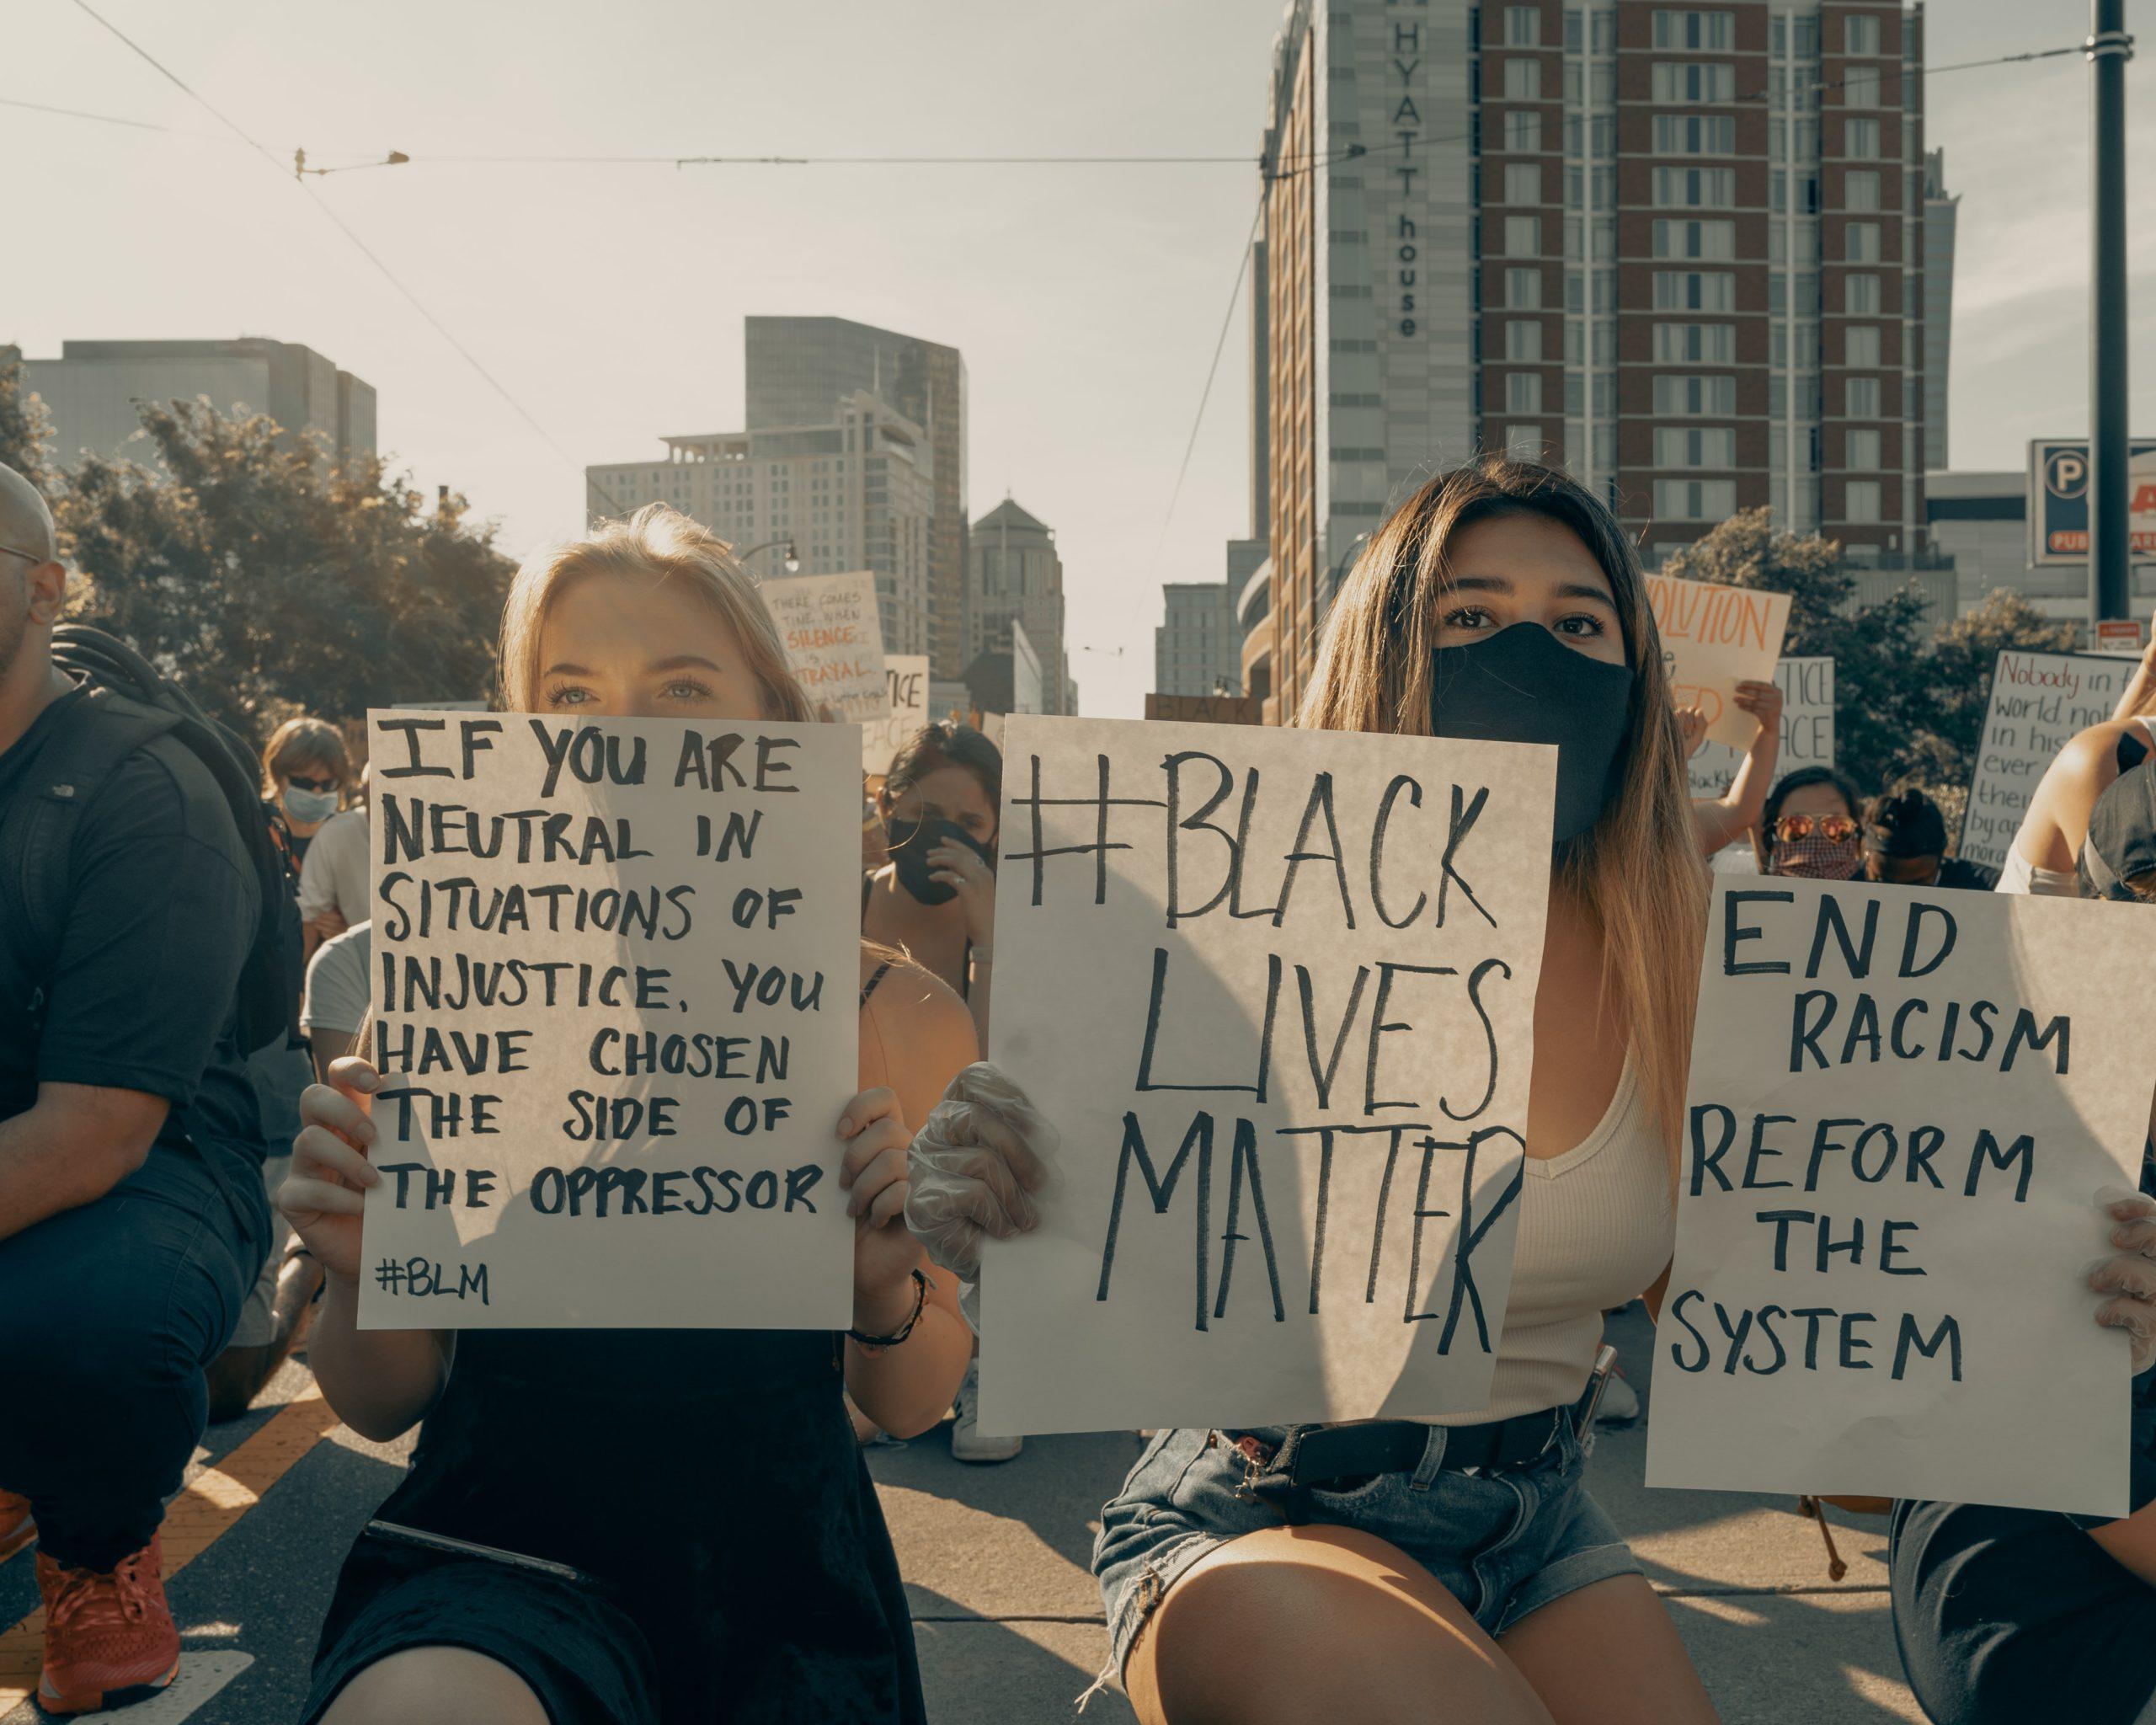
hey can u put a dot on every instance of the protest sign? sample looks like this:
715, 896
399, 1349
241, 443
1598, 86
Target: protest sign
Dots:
1807, 687
1714, 637
615, 966
1903, 1103
2038, 701
833, 640
1275, 990
1207, 709
906, 678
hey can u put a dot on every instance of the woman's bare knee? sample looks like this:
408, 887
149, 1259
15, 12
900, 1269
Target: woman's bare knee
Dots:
448, 1685
1296, 1624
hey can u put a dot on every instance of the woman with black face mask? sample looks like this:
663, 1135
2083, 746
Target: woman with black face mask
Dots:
1454, 1564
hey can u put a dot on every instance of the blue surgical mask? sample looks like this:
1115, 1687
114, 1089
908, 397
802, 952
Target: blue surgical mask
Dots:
309, 807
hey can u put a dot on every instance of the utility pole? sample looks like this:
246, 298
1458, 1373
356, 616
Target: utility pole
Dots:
2110, 550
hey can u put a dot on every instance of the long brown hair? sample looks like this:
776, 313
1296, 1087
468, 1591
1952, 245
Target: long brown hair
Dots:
1637, 870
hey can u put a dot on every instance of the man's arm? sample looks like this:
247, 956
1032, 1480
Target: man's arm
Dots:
74, 1144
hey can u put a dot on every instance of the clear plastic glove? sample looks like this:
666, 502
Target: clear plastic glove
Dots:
2129, 1274
976, 1166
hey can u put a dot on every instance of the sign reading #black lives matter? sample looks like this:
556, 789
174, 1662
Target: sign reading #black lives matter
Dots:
1902, 1104
615, 973
1275, 990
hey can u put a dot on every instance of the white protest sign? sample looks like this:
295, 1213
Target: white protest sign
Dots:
2038, 701
1714, 637
1275, 989
1807, 739
833, 640
614, 967
905, 677
1903, 1103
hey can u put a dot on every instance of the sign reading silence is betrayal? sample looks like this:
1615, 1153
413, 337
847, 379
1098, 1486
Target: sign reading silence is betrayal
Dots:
2038, 701
1714, 637
1902, 1104
1275, 990
615, 968
833, 640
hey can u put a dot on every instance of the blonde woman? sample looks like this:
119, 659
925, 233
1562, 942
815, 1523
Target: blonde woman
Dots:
678, 1522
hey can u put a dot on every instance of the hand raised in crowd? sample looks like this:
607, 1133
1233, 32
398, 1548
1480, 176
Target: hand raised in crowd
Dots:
2129, 1276
1763, 701
963, 870
1691, 728
322, 1196
872, 1173
975, 1168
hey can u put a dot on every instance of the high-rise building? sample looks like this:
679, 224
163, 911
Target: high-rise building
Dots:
1678, 245
1942, 211
854, 491
1198, 649
1015, 575
800, 368
91, 392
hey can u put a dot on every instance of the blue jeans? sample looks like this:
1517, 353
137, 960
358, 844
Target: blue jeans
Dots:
108, 1314
1502, 1543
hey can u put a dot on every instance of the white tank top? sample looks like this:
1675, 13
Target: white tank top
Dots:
1596, 1227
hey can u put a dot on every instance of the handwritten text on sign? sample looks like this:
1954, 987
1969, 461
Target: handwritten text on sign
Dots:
834, 641
2038, 701
615, 966
1276, 988
1808, 737
906, 676
1903, 1103
1714, 637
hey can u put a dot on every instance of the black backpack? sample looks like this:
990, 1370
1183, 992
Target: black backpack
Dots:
130, 705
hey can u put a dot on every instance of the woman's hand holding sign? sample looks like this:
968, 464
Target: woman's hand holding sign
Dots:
322, 1196
2130, 1276
873, 1176
975, 1167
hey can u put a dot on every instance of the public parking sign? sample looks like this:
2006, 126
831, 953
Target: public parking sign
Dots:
2058, 500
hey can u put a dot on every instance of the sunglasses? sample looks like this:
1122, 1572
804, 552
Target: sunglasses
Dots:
1835, 829
304, 783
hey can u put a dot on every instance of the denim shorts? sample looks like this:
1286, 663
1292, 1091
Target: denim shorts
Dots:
1502, 1543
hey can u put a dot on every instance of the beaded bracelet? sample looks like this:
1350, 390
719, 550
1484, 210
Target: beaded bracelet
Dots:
876, 1345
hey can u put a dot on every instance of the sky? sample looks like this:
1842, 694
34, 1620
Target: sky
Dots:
607, 300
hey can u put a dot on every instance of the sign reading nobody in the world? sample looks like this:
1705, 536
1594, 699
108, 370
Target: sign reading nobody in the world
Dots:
1808, 737
833, 640
1902, 1104
1714, 637
1275, 989
2038, 701
615, 966
905, 675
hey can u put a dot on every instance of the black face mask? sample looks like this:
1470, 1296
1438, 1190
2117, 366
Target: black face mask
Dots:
911, 841
1524, 685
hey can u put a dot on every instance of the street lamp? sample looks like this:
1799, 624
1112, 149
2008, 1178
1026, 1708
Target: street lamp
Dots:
791, 561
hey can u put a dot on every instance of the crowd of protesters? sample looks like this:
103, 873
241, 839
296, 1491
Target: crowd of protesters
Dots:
678, 1524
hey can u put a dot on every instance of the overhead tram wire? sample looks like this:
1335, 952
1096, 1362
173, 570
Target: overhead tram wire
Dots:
365, 250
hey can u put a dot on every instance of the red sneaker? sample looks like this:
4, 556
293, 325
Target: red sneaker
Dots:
18, 1526
109, 1639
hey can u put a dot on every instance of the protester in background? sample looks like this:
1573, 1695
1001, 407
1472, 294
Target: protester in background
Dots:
2009, 1616
1810, 826
1905, 844
335, 1006
132, 1219
1724, 819
706, 1479
2042, 858
333, 884
306, 772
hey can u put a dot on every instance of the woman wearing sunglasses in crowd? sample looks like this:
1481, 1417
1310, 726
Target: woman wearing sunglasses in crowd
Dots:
1810, 826
692, 1533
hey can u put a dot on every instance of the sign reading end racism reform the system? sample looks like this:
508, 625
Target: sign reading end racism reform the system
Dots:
1276, 991
613, 1005
1902, 1104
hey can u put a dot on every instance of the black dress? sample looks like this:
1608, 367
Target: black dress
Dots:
707, 1480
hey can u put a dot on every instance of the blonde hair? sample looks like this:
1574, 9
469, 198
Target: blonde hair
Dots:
657, 543
1638, 870
301, 743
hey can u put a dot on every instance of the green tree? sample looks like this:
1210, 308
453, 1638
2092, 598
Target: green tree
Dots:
25, 427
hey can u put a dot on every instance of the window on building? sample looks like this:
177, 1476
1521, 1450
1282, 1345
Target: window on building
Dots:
1523, 129
1684, 81
1695, 290
1694, 134
1861, 139
1714, 242
1860, 87
1523, 391
1523, 80
1860, 242
1861, 400
1524, 443
1695, 446
1523, 26
1602, 29
1694, 31
1804, 37
1696, 187
1694, 500
1860, 294
1696, 344
1861, 346
1523, 235
1524, 339
1523, 290
1861, 189
1522, 182
1689, 398
1861, 500
1859, 36
1860, 450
